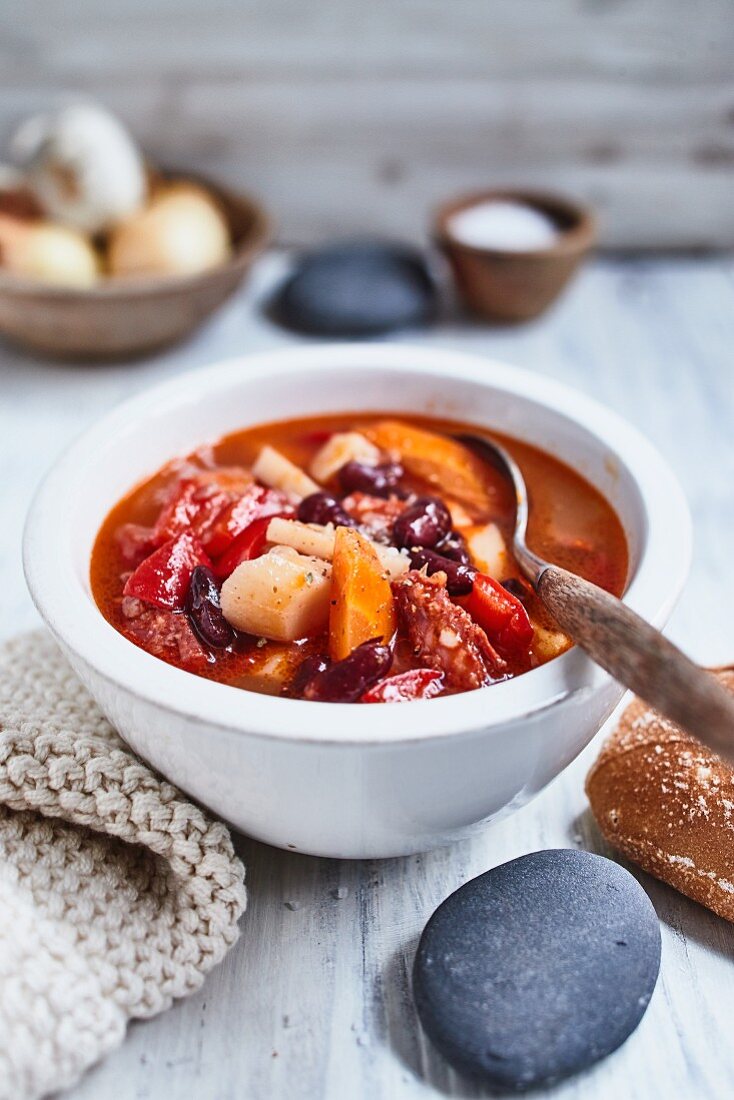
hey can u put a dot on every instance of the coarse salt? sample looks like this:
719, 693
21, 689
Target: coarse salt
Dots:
502, 224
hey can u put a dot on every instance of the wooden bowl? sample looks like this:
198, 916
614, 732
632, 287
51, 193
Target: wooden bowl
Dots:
505, 286
124, 318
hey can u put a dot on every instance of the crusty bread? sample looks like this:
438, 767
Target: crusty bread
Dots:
667, 803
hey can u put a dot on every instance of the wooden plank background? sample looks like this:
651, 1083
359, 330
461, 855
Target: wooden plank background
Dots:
349, 115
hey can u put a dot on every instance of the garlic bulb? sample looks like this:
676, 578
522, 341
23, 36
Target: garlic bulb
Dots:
82, 165
181, 232
48, 253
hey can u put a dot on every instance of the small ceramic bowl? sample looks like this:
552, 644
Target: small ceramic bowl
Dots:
506, 286
123, 318
335, 779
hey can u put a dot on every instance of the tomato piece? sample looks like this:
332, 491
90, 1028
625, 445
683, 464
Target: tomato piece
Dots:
500, 614
417, 683
193, 507
163, 578
315, 438
219, 538
255, 503
249, 544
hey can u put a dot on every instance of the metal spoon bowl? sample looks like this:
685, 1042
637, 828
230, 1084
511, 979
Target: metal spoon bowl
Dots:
625, 645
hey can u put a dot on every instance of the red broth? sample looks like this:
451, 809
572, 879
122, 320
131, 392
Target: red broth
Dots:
571, 524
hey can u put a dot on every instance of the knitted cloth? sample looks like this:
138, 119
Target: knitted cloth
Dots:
116, 894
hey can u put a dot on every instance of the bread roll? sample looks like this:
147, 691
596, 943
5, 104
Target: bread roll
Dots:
667, 803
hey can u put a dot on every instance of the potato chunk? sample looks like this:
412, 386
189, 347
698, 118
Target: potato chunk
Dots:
278, 472
459, 515
282, 595
307, 538
488, 550
313, 538
548, 644
343, 447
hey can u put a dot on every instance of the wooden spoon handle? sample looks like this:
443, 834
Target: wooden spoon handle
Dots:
639, 657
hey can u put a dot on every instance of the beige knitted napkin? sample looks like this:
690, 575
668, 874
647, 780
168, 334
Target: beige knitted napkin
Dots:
116, 894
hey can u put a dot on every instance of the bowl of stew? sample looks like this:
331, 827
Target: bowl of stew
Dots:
290, 586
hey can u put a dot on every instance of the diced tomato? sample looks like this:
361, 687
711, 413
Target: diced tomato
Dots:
249, 544
255, 503
316, 437
163, 578
193, 507
500, 614
417, 683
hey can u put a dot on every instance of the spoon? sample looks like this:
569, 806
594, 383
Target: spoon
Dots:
630, 649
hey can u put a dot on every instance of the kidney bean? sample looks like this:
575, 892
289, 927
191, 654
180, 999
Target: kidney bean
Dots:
324, 508
516, 588
379, 481
346, 681
454, 547
204, 612
427, 522
459, 577
305, 672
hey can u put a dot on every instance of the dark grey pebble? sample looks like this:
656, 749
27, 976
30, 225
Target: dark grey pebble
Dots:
360, 288
538, 968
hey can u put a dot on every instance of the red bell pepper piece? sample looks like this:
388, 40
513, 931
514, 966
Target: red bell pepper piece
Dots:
500, 614
417, 683
255, 503
249, 544
163, 578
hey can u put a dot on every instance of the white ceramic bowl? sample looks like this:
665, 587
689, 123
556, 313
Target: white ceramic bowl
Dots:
335, 779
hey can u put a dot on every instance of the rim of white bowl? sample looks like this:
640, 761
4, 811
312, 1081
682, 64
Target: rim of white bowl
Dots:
75, 620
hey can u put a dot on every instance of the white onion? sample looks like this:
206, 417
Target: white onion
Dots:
48, 253
181, 232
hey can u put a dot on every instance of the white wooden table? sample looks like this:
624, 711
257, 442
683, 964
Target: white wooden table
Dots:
315, 999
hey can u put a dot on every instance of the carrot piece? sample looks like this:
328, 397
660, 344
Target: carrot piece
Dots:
361, 597
442, 462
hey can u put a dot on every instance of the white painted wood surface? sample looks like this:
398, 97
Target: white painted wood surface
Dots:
314, 1002
352, 116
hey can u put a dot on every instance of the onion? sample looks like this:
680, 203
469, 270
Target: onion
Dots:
46, 252
181, 232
